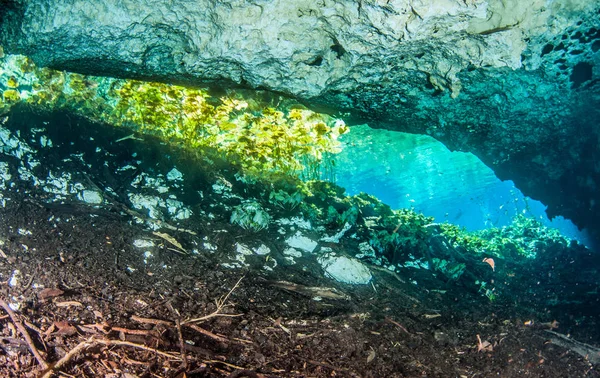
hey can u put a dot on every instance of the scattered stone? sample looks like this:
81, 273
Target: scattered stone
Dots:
292, 252
174, 175
262, 250
14, 279
301, 242
336, 238
345, 269
90, 196
365, 250
295, 221
143, 243
150, 203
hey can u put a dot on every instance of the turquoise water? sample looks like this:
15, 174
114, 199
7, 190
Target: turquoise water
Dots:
416, 171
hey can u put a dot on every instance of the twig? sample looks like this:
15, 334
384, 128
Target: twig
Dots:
151, 321
172, 241
67, 357
138, 346
170, 324
209, 316
132, 136
23, 331
142, 332
95, 342
206, 333
220, 305
223, 363
397, 324
181, 344
589, 352
28, 284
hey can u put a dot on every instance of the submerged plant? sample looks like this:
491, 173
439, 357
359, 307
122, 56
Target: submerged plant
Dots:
260, 139
486, 291
452, 270
524, 237
285, 200
250, 216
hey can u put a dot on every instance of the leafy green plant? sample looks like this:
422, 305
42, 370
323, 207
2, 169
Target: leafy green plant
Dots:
452, 270
285, 200
522, 238
486, 291
250, 216
263, 141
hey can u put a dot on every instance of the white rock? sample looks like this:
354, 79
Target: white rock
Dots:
295, 221
5, 175
301, 242
14, 279
174, 175
345, 269
292, 252
262, 250
90, 196
140, 201
365, 250
242, 249
45, 141
177, 210
336, 238
143, 243
209, 246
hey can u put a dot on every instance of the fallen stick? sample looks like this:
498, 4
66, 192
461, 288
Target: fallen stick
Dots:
151, 321
589, 352
207, 333
221, 303
23, 331
171, 324
67, 357
397, 325
181, 345
95, 342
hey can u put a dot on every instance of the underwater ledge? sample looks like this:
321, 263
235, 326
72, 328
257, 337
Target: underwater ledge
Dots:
114, 245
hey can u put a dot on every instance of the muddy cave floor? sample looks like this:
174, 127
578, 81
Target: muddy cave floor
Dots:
260, 330
94, 305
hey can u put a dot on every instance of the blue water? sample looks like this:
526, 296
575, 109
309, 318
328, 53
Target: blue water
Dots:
416, 171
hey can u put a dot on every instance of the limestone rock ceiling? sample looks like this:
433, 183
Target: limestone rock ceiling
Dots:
515, 82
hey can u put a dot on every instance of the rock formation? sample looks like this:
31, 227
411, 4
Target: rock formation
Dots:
515, 82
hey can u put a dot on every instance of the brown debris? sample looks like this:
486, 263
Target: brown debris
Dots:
49, 293
24, 333
310, 291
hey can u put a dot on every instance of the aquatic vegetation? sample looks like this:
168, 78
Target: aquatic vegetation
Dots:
285, 200
261, 139
404, 232
524, 237
394, 234
486, 290
452, 270
250, 216
11, 96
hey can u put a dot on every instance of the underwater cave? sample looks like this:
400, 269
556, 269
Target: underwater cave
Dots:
299, 188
